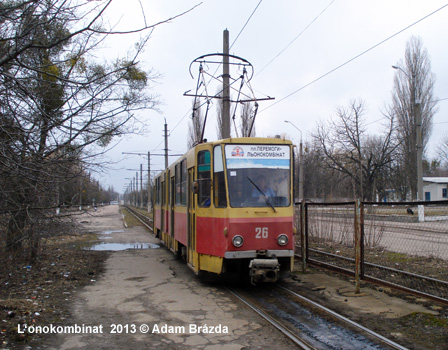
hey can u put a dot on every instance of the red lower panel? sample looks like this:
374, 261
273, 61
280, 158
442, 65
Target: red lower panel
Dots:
258, 234
180, 227
157, 218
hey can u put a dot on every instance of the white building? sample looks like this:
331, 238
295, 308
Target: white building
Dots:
435, 188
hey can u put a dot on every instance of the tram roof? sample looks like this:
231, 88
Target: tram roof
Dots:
190, 154
252, 140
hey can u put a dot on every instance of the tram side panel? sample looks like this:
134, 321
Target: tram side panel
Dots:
211, 237
180, 201
157, 208
180, 225
157, 221
260, 234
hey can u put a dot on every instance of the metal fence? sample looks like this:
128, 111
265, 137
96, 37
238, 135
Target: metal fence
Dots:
404, 245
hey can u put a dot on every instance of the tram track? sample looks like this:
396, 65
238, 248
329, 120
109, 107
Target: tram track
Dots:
306, 323
145, 220
299, 342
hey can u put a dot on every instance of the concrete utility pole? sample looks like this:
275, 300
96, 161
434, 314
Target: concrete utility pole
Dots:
149, 182
136, 189
141, 185
226, 88
141, 178
166, 144
418, 125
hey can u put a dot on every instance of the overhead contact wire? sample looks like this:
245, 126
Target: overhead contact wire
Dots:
245, 24
297, 36
355, 57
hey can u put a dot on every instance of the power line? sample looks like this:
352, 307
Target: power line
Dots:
439, 99
354, 58
245, 24
297, 36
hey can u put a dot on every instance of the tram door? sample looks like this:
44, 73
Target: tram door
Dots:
191, 219
162, 210
171, 205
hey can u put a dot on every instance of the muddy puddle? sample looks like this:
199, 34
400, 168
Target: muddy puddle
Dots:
109, 232
121, 246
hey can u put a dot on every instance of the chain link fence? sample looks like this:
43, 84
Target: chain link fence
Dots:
403, 245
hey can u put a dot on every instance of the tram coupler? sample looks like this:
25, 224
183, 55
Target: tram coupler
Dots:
264, 270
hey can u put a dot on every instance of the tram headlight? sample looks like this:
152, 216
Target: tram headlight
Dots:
237, 241
282, 239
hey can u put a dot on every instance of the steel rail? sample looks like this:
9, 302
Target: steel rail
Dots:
140, 217
296, 340
381, 267
370, 278
345, 319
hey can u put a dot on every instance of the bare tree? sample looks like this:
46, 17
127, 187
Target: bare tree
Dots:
219, 113
241, 125
59, 107
349, 150
413, 84
246, 120
320, 181
196, 126
442, 150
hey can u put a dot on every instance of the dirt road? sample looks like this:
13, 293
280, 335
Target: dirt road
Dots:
147, 299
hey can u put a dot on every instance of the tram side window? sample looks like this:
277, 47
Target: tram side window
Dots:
219, 187
204, 178
155, 192
162, 187
183, 182
177, 183
157, 185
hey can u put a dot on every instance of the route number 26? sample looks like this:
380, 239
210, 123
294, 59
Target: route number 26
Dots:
261, 232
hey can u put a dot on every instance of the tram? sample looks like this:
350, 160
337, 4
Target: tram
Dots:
227, 207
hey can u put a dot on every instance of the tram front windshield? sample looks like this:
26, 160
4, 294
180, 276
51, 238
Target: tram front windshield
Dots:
259, 175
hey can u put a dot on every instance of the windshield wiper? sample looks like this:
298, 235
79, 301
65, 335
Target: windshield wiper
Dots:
266, 199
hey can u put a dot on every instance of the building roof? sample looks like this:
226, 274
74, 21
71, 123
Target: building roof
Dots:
438, 180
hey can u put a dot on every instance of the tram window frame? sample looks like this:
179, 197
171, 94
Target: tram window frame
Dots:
219, 183
162, 186
241, 176
183, 182
157, 185
177, 183
204, 178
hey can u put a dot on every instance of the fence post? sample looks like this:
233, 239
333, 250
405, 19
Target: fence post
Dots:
358, 243
303, 233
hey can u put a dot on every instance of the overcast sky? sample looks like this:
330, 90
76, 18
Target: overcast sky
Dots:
310, 38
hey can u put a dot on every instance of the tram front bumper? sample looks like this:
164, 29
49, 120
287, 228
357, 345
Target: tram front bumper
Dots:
264, 270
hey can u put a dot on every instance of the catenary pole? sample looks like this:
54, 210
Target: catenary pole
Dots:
226, 88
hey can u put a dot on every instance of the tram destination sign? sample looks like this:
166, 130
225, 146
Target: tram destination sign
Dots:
257, 156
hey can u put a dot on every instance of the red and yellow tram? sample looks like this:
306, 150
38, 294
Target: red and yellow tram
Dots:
227, 206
